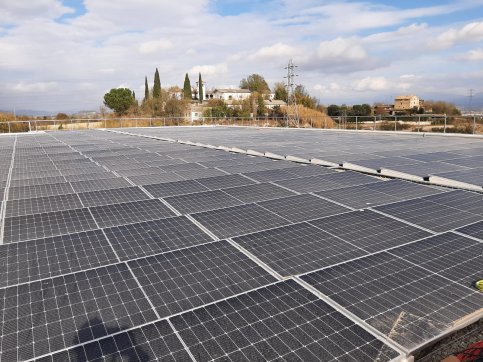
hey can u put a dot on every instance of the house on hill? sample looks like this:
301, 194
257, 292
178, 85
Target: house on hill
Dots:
407, 102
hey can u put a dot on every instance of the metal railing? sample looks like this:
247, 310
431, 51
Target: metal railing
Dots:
469, 124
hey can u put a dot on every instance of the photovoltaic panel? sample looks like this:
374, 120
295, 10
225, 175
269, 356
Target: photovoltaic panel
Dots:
113, 196
39, 205
223, 182
53, 314
200, 173
280, 322
463, 200
130, 212
175, 188
450, 255
258, 192
90, 176
475, 230
189, 278
153, 237
302, 207
434, 156
238, 220
102, 184
202, 201
271, 175
369, 230
45, 258
47, 224
153, 342
168, 177
403, 301
29, 192
297, 249
473, 176
37, 181
430, 215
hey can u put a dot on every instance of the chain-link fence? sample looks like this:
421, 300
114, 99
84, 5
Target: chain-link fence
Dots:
472, 124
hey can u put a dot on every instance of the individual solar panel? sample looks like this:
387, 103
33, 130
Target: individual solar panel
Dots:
429, 214
53, 256
39, 205
271, 175
90, 176
102, 184
202, 201
53, 314
223, 182
239, 220
36, 174
434, 156
189, 278
153, 237
474, 176
30, 192
47, 224
37, 181
297, 249
155, 341
130, 212
369, 230
403, 301
475, 230
309, 170
463, 200
471, 162
283, 321
175, 188
427, 168
258, 192
451, 255
302, 207
182, 167
113, 196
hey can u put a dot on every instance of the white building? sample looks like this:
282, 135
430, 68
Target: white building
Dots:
230, 94
408, 102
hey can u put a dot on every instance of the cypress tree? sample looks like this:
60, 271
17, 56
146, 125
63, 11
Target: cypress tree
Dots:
187, 87
146, 89
200, 89
157, 85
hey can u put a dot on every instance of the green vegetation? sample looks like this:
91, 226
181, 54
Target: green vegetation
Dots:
200, 89
157, 85
119, 100
187, 87
255, 83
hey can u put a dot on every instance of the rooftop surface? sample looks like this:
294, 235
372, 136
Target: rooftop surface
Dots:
157, 244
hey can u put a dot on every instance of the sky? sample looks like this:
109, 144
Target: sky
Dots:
65, 55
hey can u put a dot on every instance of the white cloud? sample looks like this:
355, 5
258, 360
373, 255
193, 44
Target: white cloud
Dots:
472, 32
340, 48
472, 55
14, 12
274, 52
209, 70
371, 84
155, 46
37, 87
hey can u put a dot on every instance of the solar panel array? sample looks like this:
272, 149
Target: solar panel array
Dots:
117, 246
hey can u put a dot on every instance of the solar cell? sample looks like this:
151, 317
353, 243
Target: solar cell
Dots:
238, 220
200, 173
297, 249
153, 237
258, 192
53, 314
130, 212
175, 188
45, 258
37, 181
189, 278
37, 226
202, 201
271, 175
113, 196
302, 207
155, 341
42, 204
279, 322
403, 301
369, 230
168, 177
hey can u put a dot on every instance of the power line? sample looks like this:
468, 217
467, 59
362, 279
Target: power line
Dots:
292, 109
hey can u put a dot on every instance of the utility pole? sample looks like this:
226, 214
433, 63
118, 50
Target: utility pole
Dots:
292, 109
471, 100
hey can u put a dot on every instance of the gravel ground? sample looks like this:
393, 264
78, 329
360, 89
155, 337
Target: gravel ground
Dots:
451, 344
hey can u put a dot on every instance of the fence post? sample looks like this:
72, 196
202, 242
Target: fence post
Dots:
374, 124
395, 123
30, 127
357, 127
419, 122
9, 127
444, 130
35, 126
474, 124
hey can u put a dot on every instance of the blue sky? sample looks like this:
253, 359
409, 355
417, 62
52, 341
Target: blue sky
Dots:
64, 55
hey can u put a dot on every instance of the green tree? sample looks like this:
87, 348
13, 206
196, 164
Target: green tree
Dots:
157, 85
333, 110
303, 97
119, 100
255, 83
61, 116
200, 89
187, 87
280, 90
146, 89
